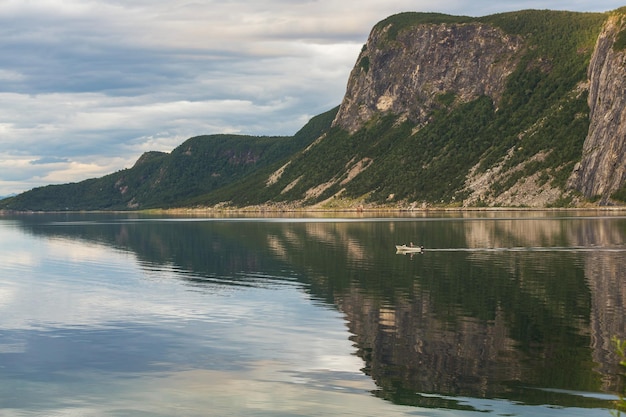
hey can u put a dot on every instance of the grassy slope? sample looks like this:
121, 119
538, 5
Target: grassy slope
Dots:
541, 112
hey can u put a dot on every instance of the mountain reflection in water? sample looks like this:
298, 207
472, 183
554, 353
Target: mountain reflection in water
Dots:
521, 308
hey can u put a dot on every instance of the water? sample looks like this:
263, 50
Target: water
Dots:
125, 315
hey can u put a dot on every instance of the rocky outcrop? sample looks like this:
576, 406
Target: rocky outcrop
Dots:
425, 67
602, 169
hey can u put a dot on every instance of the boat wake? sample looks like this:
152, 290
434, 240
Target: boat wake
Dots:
534, 249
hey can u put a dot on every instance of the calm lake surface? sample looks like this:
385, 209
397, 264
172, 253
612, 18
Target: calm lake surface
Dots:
504, 314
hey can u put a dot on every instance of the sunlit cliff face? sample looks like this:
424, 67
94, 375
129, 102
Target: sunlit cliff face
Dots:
410, 74
603, 166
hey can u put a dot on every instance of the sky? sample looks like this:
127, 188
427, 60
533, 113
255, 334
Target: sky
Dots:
87, 86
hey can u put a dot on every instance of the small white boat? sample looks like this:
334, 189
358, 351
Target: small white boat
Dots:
409, 249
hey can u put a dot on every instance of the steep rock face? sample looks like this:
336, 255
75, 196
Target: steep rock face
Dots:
602, 169
424, 67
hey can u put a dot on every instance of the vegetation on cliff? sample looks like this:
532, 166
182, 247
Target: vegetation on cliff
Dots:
524, 143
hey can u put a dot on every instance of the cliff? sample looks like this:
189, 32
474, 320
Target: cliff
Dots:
602, 170
414, 72
520, 109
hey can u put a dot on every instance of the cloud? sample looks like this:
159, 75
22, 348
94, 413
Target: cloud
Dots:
94, 83
49, 160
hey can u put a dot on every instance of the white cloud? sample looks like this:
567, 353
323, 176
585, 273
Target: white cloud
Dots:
10, 75
94, 83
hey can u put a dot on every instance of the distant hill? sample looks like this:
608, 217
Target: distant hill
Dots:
198, 166
521, 109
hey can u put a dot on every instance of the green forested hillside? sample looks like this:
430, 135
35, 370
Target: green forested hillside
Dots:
162, 180
537, 129
542, 113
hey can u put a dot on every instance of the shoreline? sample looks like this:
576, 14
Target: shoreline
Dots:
362, 211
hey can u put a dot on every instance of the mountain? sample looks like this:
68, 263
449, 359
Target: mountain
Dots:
198, 166
522, 109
